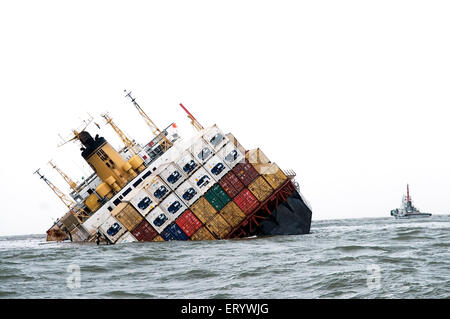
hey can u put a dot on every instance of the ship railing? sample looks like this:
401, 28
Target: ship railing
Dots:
290, 173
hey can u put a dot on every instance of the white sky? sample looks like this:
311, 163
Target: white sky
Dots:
352, 95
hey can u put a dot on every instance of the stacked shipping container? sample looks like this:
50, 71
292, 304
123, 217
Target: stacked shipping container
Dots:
203, 195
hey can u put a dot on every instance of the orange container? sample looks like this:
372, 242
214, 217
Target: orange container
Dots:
203, 210
202, 234
218, 227
127, 215
260, 188
232, 214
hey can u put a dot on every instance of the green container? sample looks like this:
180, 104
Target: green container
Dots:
214, 201
221, 194
217, 197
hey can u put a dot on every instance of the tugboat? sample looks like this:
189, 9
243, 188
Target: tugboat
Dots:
408, 210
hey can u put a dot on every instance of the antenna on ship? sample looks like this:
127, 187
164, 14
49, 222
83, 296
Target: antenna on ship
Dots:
76, 132
66, 178
128, 143
165, 143
194, 121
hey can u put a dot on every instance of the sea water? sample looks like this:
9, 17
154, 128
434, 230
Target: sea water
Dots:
351, 258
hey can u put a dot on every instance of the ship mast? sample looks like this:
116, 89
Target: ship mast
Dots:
165, 143
408, 198
76, 132
194, 121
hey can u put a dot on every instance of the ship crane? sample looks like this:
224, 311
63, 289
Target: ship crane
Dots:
66, 178
165, 143
67, 201
194, 121
128, 143
81, 214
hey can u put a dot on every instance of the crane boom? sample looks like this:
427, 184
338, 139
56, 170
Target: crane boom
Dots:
67, 201
128, 143
66, 178
165, 143
80, 213
194, 121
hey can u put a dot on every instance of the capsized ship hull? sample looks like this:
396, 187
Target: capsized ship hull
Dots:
284, 213
208, 188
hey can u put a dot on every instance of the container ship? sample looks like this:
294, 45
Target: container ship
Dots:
209, 187
408, 210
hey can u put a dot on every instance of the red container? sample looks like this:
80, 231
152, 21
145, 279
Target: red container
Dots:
231, 184
144, 231
246, 201
188, 223
245, 172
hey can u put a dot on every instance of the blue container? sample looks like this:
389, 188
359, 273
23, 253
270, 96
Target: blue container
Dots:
173, 232
167, 234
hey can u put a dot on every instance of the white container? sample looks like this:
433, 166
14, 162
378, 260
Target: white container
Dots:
202, 180
215, 138
158, 189
169, 156
80, 233
216, 167
187, 163
231, 155
159, 219
232, 139
112, 229
173, 205
126, 238
150, 174
147, 175
188, 193
143, 201
173, 176
97, 219
201, 150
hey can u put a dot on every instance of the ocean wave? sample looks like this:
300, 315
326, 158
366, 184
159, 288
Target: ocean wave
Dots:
332, 262
128, 295
350, 248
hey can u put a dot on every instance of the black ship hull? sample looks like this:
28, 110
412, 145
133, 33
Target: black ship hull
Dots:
286, 213
292, 217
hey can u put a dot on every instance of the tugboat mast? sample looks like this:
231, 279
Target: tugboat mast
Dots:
408, 198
